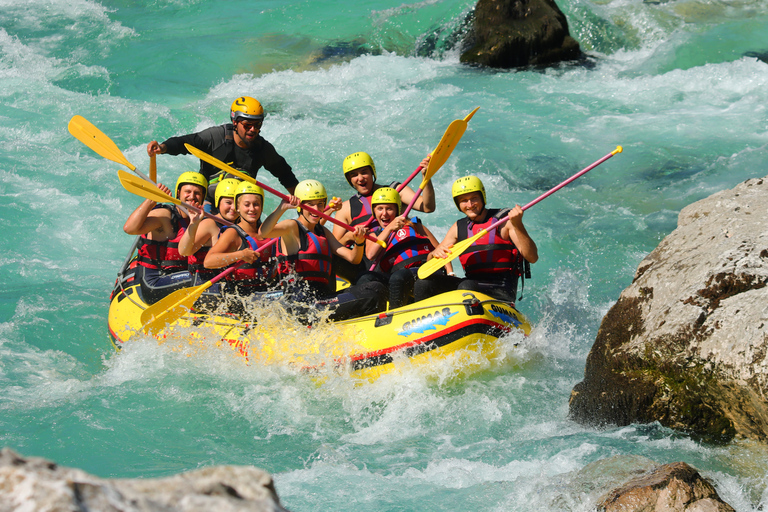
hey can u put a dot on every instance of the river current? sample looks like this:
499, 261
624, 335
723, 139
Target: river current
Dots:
681, 85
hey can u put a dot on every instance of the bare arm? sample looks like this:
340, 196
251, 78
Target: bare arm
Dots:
433, 240
444, 248
270, 228
225, 252
353, 255
516, 232
198, 234
426, 201
344, 215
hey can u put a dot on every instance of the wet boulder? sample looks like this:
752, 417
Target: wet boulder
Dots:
668, 488
514, 33
686, 342
38, 484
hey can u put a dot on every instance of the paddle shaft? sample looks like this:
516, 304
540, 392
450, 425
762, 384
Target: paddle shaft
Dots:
579, 174
399, 188
430, 268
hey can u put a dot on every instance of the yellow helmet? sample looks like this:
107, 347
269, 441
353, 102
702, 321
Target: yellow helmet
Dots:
247, 108
386, 195
193, 178
246, 187
466, 185
225, 188
310, 190
356, 161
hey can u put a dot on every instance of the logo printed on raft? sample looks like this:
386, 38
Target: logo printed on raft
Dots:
505, 315
427, 322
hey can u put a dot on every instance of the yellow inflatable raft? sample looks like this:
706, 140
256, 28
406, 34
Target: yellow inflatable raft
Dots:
440, 327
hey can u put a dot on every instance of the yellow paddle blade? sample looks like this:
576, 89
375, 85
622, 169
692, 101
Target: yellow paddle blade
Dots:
447, 144
469, 116
145, 189
205, 157
435, 264
171, 308
85, 132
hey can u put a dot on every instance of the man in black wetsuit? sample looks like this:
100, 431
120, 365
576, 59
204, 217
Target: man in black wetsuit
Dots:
238, 144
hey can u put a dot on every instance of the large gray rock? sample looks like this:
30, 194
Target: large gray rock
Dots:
38, 484
686, 342
514, 33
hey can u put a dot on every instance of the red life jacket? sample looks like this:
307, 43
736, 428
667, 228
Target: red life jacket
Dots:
359, 209
406, 249
313, 261
490, 257
165, 255
261, 272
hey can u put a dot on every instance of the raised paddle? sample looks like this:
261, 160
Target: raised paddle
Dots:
221, 165
428, 268
85, 132
149, 190
445, 147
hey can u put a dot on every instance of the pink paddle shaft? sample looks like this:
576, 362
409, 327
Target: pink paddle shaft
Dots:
579, 174
399, 188
316, 212
405, 213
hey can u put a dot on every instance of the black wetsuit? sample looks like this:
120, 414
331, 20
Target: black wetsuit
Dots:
219, 142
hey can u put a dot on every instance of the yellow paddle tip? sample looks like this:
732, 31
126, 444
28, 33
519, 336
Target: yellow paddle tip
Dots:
618, 149
469, 116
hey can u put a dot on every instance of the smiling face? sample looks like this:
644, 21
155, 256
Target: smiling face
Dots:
362, 179
227, 208
385, 213
249, 207
192, 194
247, 130
471, 204
317, 204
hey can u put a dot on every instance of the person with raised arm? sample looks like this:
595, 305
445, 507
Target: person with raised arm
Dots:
409, 243
239, 142
360, 172
161, 269
243, 242
499, 258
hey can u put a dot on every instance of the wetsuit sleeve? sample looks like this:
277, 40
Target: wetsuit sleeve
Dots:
277, 166
201, 140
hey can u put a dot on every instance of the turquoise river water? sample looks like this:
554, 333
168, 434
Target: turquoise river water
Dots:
681, 85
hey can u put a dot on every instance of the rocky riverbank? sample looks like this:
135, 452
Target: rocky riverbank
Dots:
31, 483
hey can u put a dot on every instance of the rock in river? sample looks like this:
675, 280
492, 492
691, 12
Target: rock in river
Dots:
686, 342
514, 33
